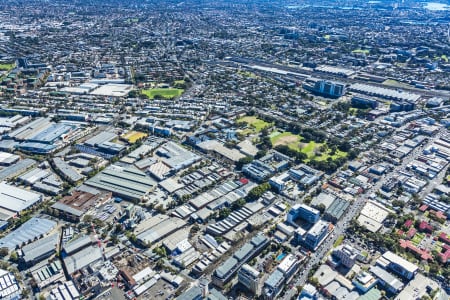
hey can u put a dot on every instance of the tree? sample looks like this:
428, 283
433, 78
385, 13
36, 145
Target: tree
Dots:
88, 218
297, 155
258, 191
266, 143
238, 204
133, 238
114, 239
4, 252
161, 251
118, 228
243, 161
25, 293
434, 268
321, 207
398, 203
314, 281
224, 212
14, 257
260, 153
160, 208
194, 229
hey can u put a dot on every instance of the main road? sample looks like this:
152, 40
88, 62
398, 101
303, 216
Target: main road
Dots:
353, 211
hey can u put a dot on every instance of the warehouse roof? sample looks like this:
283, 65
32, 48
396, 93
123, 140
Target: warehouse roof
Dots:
337, 208
80, 202
274, 278
35, 147
16, 169
226, 267
52, 133
161, 230
34, 175
40, 247
77, 244
383, 92
243, 251
8, 158
82, 259
33, 228
400, 261
15, 199
126, 182
213, 145
30, 129
100, 138
67, 170
387, 277
176, 156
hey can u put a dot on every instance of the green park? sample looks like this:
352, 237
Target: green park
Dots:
165, 93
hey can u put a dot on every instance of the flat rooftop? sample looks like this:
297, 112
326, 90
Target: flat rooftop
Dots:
126, 182
16, 199
112, 90
30, 230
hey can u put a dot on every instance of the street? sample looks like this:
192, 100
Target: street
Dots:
352, 212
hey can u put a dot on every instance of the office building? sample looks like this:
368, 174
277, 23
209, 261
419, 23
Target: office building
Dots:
344, 255
309, 292
361, 102
273, 285
401, 106
303, 212
314, 236
392, 262
391, 283
249, 277
326, 88
225, 272
258, 170
364, 281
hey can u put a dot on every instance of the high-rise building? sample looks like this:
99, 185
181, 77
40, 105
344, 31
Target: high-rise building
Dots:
345, 255
312, 238
22, 62
327, 88
249, 277
316, 234
304, 212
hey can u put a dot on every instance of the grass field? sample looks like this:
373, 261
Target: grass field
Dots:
326, 155
365, 51
6, 67
311, 148
247, 74
396, 84
132, 136
286, 138
255, 124
167, 93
